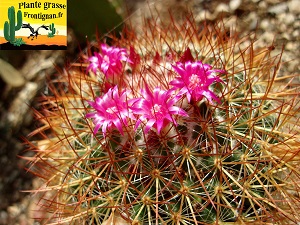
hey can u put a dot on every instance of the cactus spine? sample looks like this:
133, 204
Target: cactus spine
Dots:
9, 26
53, 30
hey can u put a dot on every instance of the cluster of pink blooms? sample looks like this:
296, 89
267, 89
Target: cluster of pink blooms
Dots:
154, 109
110, 61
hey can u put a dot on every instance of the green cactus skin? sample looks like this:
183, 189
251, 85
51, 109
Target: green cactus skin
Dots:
53, 30
9, 27
229, 163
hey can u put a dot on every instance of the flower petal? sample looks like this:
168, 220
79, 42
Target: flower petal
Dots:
195, 79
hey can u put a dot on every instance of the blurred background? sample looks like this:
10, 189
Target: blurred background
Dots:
23, 74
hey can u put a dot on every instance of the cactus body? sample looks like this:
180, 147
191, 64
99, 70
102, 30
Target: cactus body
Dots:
9, 26
230, 162
53, 30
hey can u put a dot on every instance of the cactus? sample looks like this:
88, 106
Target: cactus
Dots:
143, 147
53, 30
9, 27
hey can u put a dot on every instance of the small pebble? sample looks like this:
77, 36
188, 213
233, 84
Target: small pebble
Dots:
13, 210
287, 18
296, 33
278, 8
3, 217
265, 24
268, 37
234, 4
253, 20
294, 6
262, 5
222, 7
289, 46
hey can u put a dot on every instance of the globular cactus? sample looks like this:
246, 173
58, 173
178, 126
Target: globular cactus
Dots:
177, 125
10, 28
53, 30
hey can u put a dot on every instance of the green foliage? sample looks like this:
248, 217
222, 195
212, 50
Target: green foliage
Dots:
9, 26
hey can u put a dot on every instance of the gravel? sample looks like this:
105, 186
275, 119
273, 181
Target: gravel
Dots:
275, 22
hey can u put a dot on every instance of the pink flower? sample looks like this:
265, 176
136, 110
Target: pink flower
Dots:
112, 110
110, 61
195, 79
157, 108
94, 62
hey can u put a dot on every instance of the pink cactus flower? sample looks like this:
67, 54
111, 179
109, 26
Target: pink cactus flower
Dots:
195, 79
112, 111
157, 108
110, 61
94, 62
